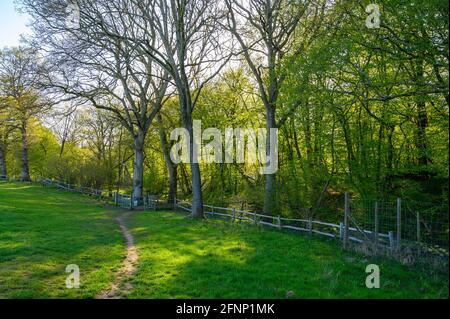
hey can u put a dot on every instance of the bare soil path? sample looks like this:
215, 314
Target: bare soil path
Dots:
122, 285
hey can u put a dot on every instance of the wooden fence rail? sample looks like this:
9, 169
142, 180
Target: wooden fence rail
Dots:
347, 231
331, 230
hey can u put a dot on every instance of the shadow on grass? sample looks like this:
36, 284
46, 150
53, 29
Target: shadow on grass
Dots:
181, 258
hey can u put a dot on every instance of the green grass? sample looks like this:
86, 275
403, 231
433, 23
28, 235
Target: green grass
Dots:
44, 230
182, 258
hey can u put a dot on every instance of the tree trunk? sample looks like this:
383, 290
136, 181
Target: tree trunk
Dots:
173, 184
120, 163
197, 196
197, 200
171, 167
422, 122
25, 175
3, 170
138, 173
421, 135
270, 203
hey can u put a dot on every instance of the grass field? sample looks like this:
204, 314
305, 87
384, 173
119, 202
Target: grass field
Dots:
43, 230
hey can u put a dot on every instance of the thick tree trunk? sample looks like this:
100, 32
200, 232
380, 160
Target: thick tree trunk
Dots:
3, 170
197, 196
197, 200
171, 167
138, 172
25, 175
270, 202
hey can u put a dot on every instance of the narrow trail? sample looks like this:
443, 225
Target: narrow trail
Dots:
121, 286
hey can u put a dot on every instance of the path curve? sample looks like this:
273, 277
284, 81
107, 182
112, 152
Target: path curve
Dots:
121, 286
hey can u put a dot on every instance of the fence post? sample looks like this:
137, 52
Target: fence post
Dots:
310, 225
346, 213
234, 215
254, 218
279, 222
391, 239
341, 230
212, 210
376, 226
418, 226
399, 223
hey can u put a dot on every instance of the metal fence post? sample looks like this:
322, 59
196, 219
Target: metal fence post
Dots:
310, 225
399, 223
279, 222
234, 215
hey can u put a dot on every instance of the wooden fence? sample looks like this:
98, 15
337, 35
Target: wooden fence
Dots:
348, 231
121, 200
395, 241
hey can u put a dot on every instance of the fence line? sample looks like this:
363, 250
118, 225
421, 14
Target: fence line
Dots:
121, 200
234, 215
390, 232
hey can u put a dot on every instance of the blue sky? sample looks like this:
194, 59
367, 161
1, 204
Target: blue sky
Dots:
12, 24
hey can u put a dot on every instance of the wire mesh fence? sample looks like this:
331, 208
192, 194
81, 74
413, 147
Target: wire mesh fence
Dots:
410, 230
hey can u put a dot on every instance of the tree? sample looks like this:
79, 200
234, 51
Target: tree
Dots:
65, 126
92, 64
5, 131
20, 74
183, 37
266, 31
